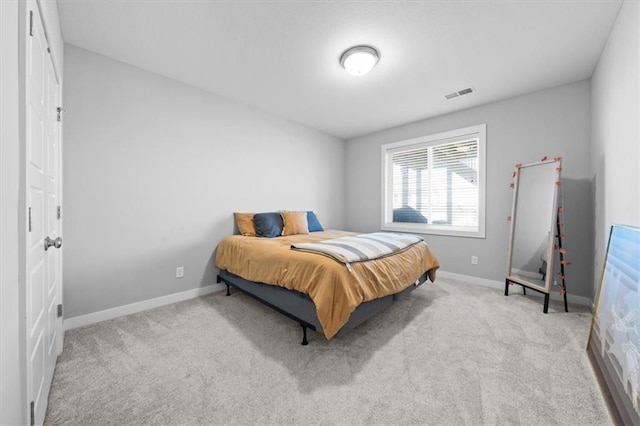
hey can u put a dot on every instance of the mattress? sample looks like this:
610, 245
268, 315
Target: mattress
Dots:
335, 290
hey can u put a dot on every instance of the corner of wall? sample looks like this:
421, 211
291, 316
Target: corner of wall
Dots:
12, 319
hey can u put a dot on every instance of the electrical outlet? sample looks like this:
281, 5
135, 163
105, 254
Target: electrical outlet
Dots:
474, 260
180, 272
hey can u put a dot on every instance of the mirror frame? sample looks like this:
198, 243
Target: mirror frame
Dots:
552, 228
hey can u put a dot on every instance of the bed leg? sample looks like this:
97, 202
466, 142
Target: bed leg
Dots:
218, 279
524, 290
228, 292
506, 287
304, 335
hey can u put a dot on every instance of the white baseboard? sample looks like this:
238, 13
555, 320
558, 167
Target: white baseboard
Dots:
578, 300
473, 280
133, 308
527, 274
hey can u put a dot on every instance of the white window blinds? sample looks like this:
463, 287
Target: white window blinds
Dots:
435, 185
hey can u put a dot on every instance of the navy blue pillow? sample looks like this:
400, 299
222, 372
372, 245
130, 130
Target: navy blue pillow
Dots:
268, 224
313, 222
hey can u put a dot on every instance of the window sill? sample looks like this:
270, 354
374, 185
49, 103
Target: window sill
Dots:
420, 228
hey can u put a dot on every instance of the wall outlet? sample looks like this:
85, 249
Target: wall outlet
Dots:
180, 272
474, 260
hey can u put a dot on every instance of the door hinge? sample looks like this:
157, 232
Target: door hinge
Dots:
59, 109
30, 227
59, 212
59, 310
31, 23
33, 413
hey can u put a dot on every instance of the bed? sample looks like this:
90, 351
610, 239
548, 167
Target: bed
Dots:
319, 292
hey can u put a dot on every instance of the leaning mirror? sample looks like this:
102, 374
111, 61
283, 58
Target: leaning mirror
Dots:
533, 227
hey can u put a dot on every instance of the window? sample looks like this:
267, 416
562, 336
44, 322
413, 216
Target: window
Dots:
436, 184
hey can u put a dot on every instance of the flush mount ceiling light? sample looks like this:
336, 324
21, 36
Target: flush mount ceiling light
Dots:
359, 60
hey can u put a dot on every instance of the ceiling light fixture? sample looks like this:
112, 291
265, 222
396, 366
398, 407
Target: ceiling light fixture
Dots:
359, 60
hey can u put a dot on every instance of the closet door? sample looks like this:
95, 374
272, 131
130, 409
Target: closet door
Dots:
43, 242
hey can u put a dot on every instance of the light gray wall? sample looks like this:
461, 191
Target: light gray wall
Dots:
154, 169
615, 113
552, 122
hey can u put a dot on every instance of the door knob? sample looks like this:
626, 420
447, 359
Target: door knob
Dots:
48, 242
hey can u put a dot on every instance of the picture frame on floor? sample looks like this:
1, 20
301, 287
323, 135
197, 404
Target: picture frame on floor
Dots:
614, 339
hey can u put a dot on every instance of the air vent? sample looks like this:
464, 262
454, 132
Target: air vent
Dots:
459, 93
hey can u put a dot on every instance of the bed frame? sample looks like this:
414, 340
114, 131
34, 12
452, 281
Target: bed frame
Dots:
300, 308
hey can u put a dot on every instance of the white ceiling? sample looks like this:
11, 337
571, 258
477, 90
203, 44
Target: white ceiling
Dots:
282, 56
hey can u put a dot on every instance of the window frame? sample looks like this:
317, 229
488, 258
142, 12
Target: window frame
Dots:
387, 150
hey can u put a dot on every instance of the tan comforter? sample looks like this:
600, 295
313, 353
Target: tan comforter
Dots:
335, 291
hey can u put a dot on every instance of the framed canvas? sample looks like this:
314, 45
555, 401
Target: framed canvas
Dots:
614, 340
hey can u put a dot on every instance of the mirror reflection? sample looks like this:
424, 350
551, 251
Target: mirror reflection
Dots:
530, 260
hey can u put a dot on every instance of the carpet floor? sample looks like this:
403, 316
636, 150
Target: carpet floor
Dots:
450, 353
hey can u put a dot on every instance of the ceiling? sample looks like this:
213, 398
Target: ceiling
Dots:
283, 56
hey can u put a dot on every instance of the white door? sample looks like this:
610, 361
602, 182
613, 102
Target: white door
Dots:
43, 259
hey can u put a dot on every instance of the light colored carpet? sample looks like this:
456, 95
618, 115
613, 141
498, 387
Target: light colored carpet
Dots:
451, 353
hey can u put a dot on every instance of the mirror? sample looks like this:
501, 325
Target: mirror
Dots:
533, 226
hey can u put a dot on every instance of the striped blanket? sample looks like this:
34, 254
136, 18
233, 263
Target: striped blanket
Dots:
360, 248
